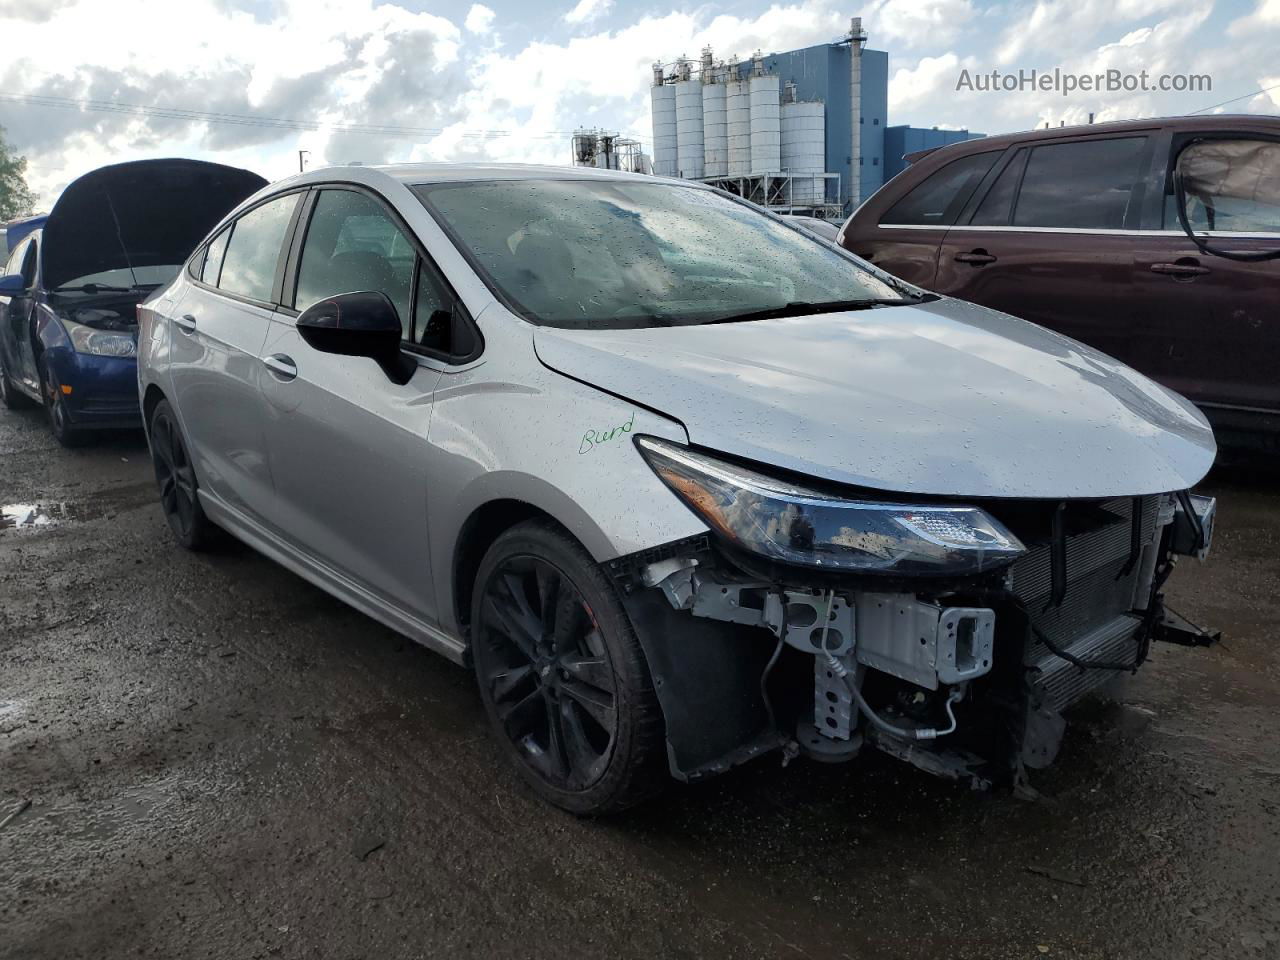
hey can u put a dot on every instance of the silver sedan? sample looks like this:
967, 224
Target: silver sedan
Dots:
683, 484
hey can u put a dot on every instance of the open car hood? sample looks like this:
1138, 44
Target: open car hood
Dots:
944, 398
144, 213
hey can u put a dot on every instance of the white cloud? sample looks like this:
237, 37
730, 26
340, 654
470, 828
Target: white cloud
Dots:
1065, 28
1190, 41
322, 61
531, 93
918, 23
378, 62
1268, 101
1265, 16
931, 79
587, 10
479, 18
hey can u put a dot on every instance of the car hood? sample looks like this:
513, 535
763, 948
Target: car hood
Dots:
144, 213
943, 398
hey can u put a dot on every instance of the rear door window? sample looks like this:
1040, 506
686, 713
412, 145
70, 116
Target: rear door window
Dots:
936, 201
997, 205
1087, 184
213, 258
253, 253
1231, 185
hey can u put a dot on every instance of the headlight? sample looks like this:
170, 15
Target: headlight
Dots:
102, 343
792, 524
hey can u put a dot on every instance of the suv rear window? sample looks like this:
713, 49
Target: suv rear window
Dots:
1230, 182
937, 200
1087, 184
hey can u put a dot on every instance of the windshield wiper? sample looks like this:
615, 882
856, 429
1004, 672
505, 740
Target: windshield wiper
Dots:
92, 288
804, 308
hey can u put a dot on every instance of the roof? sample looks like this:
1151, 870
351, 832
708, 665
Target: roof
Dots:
17, 230
442, 172
25, 221
413, 173
1001, 140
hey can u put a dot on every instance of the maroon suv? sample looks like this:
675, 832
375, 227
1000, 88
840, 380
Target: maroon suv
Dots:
1078, 229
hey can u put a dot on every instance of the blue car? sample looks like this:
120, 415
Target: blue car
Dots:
70, 288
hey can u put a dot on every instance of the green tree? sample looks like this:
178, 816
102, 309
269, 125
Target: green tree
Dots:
16, 198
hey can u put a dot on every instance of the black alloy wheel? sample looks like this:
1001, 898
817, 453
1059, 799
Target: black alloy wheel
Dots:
562, 674
548, 673
176, 477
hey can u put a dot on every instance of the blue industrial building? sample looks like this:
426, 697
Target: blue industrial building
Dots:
822, 73
780, 127
901, 140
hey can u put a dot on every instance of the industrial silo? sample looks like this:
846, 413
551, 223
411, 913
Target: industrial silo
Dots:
765, 133
715, 129
689, 141
662, 97
738, 122
803, 148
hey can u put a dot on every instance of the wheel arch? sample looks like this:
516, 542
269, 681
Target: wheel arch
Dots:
485, 524
150, 400
465, 522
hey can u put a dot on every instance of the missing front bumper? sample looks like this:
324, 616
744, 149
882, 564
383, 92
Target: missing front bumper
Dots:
742, 656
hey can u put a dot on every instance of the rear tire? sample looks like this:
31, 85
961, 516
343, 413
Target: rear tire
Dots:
176, 478
562, 674
13, 398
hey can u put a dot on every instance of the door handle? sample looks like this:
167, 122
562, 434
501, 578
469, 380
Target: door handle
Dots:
1183, 271
977, 258
186, 323
282, 366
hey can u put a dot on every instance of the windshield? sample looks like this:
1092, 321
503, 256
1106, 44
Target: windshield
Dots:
587, 254
125, 278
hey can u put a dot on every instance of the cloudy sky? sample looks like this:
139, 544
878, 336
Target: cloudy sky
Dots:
507, 79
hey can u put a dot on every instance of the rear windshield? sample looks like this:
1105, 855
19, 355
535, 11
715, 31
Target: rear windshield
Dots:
584, 254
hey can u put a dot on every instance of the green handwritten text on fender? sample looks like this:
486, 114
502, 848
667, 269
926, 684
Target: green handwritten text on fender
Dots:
593, 438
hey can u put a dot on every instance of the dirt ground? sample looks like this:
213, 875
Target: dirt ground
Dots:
221, 761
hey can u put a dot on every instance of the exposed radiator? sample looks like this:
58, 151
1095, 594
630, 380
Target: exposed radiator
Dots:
1094, 620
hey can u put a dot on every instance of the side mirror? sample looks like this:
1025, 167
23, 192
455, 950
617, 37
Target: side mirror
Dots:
12, 285
1229, 186
363, 324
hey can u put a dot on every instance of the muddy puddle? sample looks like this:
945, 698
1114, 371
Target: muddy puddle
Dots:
35, 515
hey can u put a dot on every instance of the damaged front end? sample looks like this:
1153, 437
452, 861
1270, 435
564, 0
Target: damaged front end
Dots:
952, 636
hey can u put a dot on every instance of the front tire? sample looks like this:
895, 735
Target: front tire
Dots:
176, 477
55, 407
562, 674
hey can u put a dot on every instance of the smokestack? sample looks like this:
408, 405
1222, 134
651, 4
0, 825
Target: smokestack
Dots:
856, 39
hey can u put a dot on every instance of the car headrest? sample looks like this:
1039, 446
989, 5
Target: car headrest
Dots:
358, 270
547, 258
